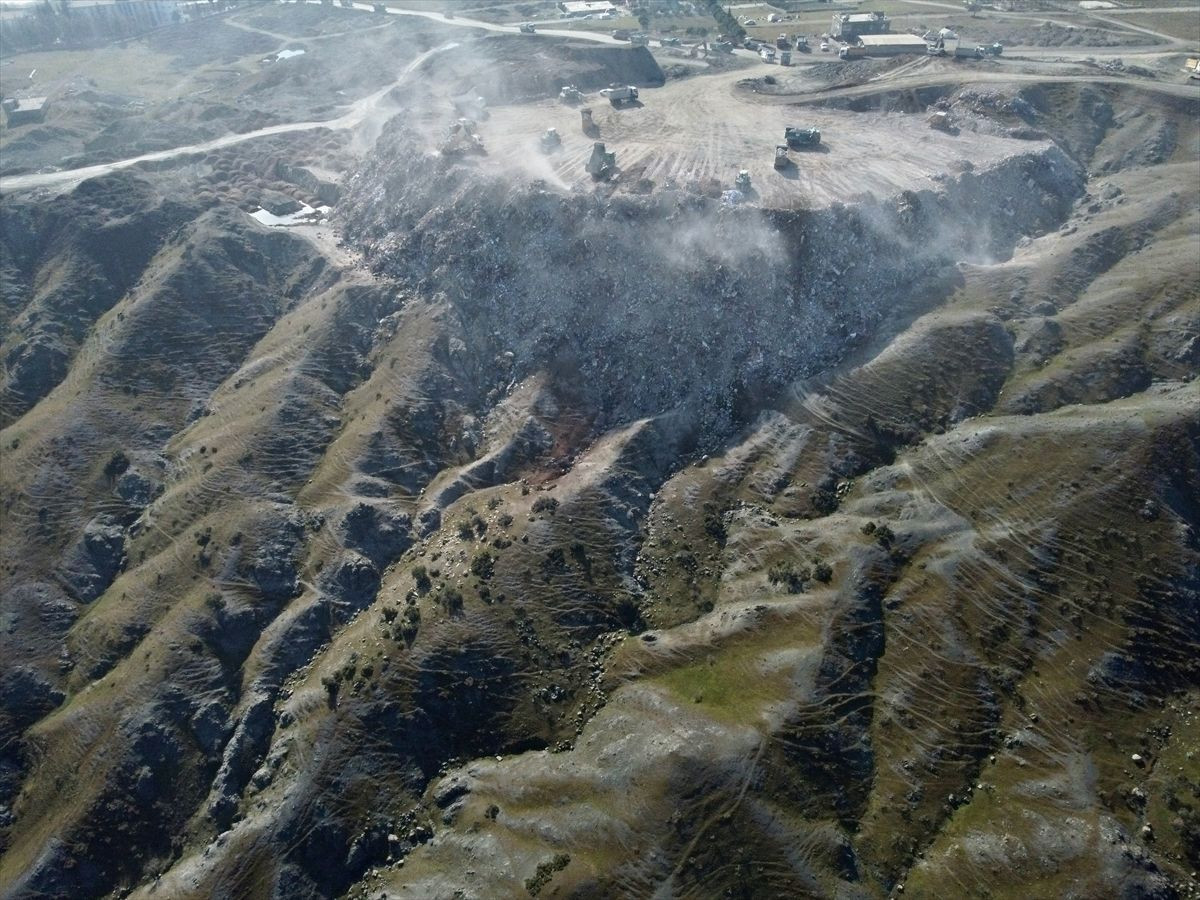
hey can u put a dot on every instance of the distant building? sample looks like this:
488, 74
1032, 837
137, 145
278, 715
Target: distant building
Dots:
24, 110
575, 8
892, 44
847, 27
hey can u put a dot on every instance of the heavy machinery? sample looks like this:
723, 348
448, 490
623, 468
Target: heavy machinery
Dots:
799, 138
550, 140
526, 28
767, 54
785, 57
670, 42
619, 95
601, 164
461, 138
570, 94
589, 126
995, 49
781, 157
639, 39
941, 121
742, 182
848, 52
802, 44
783, 43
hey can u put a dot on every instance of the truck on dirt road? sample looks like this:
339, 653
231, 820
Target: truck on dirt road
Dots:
619, 95
799, 138
848, 52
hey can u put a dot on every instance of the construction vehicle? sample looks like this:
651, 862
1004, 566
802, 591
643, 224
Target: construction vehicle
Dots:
802, 44
589, 127
799, 138
619, 95
620, 34
601, 164
570, 94
781, 157
742, 182
670, 42
461, 138
526, 28
767, 54
639, 40
848, 52
722, 46
941, 121
995, 49
785, 57
550, 140
783, 43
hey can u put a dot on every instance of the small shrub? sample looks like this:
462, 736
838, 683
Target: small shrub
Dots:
544, 504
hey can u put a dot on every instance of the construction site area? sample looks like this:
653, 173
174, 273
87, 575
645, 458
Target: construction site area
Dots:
599, 449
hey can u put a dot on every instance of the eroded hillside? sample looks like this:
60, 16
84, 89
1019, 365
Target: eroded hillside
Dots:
507, 534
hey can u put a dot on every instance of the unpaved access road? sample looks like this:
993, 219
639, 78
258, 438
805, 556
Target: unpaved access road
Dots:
689, 129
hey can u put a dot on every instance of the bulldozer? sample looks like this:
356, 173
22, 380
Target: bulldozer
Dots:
601, 164
550, 140
799, 138
570, 94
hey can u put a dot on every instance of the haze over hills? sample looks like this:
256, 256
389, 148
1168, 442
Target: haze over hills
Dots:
392, 508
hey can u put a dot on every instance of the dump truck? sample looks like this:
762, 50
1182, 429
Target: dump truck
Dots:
601, 164
570, 94
527, 28
802, 44
785, 57
619, 95
461, 137
781, 157
941, 121
767, 54
550, 140
589, 126
783, 43
798, 138
848, 52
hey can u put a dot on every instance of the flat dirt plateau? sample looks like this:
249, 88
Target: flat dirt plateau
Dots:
391, 511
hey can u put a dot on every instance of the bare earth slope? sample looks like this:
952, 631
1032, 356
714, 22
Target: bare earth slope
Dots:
510, 534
